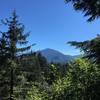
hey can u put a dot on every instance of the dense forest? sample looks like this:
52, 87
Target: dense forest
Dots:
26, 75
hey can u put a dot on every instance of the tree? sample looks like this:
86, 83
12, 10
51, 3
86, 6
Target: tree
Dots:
80, 83
91, 8
91, 48
37, 93
10, 45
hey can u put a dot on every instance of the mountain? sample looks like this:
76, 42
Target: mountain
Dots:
55, 56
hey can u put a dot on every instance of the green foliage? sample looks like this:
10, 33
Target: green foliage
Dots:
80, 82
28, 76
90, 48
9, 52
91, 8
53, 73
36, 93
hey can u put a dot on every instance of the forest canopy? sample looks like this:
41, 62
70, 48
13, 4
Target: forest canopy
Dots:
26, 75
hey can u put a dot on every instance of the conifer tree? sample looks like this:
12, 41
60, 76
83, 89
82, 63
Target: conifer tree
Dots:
91, 48
91, 8
11, 46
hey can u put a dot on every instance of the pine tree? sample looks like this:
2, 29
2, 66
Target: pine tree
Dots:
11, 46
4, 80
91, 48
91, 8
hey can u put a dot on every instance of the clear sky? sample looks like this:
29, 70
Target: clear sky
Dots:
52, 23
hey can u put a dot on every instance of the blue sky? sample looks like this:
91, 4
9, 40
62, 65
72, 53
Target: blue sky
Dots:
52, 23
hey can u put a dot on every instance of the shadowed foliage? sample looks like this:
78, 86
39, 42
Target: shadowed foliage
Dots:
90, 8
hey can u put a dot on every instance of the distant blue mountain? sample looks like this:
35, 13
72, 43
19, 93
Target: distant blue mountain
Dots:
55, 56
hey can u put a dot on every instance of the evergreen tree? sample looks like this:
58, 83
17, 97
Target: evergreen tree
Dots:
91, 8
11, 49
91, 48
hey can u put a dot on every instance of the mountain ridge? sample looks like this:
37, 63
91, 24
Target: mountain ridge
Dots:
55, 56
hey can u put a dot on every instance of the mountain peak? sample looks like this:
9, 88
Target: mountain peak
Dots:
50, 51
55, 56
